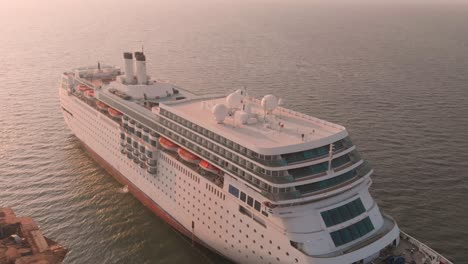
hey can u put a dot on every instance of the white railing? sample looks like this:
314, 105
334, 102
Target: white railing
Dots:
435, 257
300, 115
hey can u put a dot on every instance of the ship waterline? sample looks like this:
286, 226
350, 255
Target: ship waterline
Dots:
246, 178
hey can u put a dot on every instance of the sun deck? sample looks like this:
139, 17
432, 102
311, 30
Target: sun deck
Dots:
282, 131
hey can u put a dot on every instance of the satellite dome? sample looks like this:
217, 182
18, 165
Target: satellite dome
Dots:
280, 101
241, 92
241, 117
234, 100
220, 111
269, 102
248, 109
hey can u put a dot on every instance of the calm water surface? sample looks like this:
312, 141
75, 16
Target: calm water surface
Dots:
395, 75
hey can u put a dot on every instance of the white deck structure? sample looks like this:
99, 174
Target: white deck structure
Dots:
282, 131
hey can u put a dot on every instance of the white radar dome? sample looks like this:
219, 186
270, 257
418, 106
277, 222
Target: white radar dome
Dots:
269, 102
234, 100
220, 111
241, 117
280, 101
248, 109
241, 92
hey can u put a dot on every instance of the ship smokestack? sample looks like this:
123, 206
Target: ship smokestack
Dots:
129, 72
141, 68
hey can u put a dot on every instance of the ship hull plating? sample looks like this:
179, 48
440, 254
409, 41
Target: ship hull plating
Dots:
183, 197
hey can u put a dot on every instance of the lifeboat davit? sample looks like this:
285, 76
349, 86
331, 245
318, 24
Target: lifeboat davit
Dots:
89, 93
167, 144
187, 156
208, 167
114, 113
101, 106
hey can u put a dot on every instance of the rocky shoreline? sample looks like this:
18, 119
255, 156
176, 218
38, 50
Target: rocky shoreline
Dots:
22, 242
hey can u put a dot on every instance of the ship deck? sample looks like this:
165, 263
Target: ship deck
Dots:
282, 131
413, 252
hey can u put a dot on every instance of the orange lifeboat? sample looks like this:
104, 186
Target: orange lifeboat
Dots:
101, 106
187, 156
269, 205
208, 167
114, 113
167, 144
89, 93
83, 88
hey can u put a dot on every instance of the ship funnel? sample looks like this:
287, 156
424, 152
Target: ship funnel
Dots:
141, 68
129, 72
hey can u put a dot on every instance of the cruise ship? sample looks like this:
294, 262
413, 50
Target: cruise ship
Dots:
242, 176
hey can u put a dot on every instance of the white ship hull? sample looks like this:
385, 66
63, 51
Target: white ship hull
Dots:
204, 208
179, 199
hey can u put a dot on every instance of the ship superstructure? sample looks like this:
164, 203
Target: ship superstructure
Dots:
245, 177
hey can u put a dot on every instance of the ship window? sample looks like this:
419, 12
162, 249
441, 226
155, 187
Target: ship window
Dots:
352, 232
250, 201
317, 186
341, 161
305, 155
233, 190
343, 213
309, 170
242, 196
257, 205
244, 211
